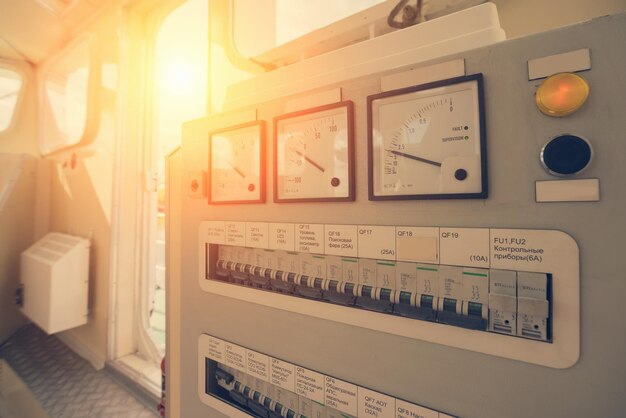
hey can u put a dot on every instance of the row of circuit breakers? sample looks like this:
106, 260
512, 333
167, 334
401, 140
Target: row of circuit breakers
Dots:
268, 387
510, 302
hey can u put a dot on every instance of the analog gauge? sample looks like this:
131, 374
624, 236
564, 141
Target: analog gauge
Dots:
236, 164
313, 154
428, 141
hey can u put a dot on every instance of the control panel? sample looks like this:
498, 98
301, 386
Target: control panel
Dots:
444, 234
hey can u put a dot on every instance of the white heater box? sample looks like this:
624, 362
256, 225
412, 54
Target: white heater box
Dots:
54, 274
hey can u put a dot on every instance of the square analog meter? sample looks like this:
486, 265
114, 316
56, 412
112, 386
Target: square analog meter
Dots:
428, 141
237, 164
313, 154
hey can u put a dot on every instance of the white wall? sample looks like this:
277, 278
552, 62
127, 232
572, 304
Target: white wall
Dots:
524, 17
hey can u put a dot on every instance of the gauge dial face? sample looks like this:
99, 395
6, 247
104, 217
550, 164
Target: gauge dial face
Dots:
428, 142
314, 154
236, 156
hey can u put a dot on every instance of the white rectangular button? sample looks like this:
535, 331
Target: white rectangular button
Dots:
428, 280
386, 274
476, 285
502, 303
534, 307
532, 285
406, 277
333, 267
287, 261
367, 271
350, 269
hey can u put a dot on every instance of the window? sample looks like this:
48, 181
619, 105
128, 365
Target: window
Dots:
285, 20
10, 88
181, 58
65, 85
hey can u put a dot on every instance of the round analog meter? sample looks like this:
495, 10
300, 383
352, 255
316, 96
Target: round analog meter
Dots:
313, 154
236, 164
428, 141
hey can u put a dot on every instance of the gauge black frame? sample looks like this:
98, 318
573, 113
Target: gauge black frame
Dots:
349, 105
262, 186
483, 194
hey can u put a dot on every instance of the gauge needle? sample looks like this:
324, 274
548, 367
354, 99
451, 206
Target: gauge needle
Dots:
313, 163
237, 169
413, 157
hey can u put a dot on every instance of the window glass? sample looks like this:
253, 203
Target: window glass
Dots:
259, 29
10, 87
181, 58
65, 85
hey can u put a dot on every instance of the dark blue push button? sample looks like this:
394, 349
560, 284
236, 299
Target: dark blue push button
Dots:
566, 154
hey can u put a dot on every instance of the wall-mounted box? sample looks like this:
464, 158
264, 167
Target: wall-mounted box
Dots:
54, 276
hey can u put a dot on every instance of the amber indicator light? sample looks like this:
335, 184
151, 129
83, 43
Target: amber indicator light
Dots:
562, 94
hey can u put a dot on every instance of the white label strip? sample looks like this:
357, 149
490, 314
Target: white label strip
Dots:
321, 98
374, 404
227, 119
377, 242
282, 374
216, 349
257, 234
214, 231
423, 75
341, 240
465, 247
282, 237
258, 365
310, 384
235, 357
405, 409
580, 190
310, 238
572, 61
236, 233
417, 244
341, 396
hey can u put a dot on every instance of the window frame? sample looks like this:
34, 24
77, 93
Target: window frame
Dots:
92, 114
130, 348
17, 68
